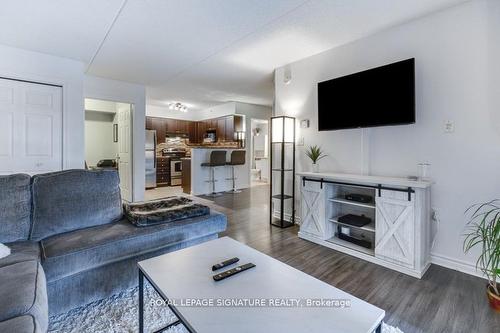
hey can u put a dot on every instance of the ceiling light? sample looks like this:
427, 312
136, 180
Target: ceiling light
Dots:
177, 107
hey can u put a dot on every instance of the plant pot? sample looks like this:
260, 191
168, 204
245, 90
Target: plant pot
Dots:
315, 167
493, 298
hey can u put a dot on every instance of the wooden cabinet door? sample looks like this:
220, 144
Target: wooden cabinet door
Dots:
313, 219
158, 124
395, 228
212, 124
193, 131
170, 125
221, 129
182, 126
149, 123
229, 134
200, 130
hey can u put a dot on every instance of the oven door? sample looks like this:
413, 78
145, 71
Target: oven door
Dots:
175, 172
175, 168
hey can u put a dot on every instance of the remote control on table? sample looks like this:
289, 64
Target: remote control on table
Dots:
225, 263
233, 271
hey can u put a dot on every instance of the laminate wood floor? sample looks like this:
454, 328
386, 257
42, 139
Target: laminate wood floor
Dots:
442, 301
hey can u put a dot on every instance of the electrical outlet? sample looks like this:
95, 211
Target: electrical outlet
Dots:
449, 126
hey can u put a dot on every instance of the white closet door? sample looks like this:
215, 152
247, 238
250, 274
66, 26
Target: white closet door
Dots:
30, 127
125, 151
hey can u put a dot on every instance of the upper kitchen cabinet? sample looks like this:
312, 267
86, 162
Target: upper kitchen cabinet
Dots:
182, 126
221, 129
193, 132
229, 128
159, 125
170, 125
149, 123
201, 128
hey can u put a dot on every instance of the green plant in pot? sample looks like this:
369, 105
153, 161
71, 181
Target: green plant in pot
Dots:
315, 154
483, 230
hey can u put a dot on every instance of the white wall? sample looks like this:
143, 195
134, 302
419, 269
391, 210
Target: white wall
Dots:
99, 143
111, 90
33, 66
457, 79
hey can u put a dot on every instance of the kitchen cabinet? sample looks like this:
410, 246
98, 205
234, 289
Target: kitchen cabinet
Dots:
192, 130
200, 130
186, 175
159, 125
221, 129
162, 171
225, 128
229, 128
181, 126
149, 123
171, 125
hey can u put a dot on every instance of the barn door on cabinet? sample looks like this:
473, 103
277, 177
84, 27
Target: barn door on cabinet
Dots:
394, 239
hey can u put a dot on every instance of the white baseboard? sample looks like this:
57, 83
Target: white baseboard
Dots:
457, 265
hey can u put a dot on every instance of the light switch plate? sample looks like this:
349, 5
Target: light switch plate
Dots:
300, 142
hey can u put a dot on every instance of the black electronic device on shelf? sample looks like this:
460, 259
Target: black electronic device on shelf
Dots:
355, 220
355, 240
359, 198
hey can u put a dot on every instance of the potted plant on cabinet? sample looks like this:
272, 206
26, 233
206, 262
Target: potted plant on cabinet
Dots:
315, 154
484, 231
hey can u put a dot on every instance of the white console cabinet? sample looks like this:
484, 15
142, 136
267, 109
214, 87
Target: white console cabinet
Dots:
398, 236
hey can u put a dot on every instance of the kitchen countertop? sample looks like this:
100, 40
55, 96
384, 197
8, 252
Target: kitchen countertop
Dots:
214, 147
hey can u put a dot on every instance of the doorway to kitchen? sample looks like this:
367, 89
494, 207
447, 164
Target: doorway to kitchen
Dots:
259, 152
108, 140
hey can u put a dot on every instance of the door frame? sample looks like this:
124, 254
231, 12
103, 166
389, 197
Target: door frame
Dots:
132, 134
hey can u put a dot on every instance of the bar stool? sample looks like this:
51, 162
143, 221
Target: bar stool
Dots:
237, 158
217, 158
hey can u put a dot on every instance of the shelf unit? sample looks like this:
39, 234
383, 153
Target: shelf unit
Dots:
282, 175
370, 227
354, 203
346, 244
399, 231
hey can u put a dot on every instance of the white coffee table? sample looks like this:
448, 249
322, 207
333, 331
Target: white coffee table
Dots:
186, 276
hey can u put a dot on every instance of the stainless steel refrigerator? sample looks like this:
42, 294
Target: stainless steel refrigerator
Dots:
150, 159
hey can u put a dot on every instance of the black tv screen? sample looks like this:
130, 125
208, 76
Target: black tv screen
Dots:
376, 97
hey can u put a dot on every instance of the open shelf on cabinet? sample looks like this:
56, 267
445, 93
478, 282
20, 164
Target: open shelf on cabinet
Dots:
353, 203
370, 227
338, 241
282, 196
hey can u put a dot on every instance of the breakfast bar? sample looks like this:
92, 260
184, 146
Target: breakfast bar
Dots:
200, 175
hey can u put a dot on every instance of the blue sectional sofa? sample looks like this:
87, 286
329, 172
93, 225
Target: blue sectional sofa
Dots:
70, 244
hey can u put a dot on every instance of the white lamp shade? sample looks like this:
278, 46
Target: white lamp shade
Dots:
279, 124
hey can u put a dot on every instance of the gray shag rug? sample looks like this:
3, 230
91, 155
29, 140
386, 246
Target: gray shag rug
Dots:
119, 314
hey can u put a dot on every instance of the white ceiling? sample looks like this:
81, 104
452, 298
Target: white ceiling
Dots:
198, 52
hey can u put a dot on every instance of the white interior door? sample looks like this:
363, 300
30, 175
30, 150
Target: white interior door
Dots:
30, 127
124, 114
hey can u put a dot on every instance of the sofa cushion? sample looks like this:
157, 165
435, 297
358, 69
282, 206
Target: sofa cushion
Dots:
23, 292
15, 207
22, 324
80, 250
21, 251
74, 199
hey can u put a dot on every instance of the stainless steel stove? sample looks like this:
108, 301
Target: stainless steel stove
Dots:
175, 155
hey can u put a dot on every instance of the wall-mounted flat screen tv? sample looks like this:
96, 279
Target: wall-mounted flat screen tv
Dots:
380, 96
